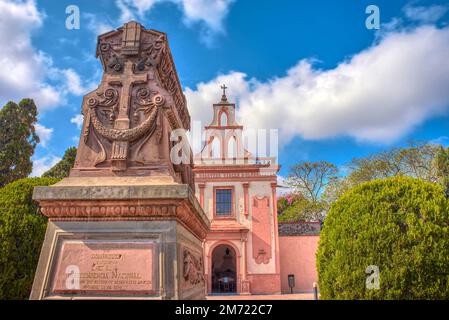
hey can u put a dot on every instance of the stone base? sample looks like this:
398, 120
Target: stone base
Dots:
125, 242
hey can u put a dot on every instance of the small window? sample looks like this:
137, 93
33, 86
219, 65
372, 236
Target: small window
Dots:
223, 202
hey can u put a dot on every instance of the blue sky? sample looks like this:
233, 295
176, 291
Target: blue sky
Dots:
333, 88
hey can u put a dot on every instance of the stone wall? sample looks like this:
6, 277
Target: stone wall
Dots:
297, 255
299, 229
298, 243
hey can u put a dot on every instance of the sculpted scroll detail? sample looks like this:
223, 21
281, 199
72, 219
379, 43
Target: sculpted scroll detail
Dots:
192, 268
129, 118
126, 134
107, 104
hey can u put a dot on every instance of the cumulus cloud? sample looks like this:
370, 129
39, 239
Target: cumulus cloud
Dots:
78, 120
73, 83
44, 134
43, 164
26, 71
425, 14
209, 14
283, 188
97, 24
201, 98
378, 95
23, 67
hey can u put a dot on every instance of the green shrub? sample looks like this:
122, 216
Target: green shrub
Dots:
302, 210
400, 225
22, 232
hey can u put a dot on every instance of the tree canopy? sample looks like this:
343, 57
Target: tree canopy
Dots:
63, 167
311, 178
398, 226
22, 231
18, 140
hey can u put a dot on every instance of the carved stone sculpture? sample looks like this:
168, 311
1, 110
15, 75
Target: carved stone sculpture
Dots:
117, 224
128, 119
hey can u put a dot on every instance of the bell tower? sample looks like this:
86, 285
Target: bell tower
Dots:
238, 194
224, 136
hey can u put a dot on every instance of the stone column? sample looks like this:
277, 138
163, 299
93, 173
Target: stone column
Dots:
245, 288
246, 198
276, 230
202, 186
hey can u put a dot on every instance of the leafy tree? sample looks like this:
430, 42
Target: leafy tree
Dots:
303, 210
442, 164
18, 139
310, 178
286, 200
335, 189
22, 231
400, 225
62, 168
416, 160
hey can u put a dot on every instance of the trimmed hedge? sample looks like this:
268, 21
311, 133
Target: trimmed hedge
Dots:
22, 232
400, 225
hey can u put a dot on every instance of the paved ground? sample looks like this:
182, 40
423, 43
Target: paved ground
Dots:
295, 296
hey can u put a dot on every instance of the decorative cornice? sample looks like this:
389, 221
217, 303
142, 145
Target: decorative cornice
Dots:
179, 210
150, 202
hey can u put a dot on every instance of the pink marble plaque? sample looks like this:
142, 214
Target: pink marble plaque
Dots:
104, 267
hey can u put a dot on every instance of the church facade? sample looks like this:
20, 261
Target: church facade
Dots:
237, 191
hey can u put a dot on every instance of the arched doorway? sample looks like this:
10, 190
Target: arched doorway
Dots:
224, 270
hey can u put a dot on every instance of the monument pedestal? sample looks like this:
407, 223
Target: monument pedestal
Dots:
123, 238
126, 223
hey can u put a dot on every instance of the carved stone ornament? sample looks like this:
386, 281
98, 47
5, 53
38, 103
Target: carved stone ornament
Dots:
193, 271
128, 119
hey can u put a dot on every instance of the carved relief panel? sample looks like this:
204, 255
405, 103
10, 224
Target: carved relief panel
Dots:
129, 117
261, 229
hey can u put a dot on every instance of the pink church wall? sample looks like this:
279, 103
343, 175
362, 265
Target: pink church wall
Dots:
297, 255
264, 283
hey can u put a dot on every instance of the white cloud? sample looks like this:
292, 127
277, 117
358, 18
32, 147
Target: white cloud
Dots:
97, 24
43, 164
209, 14
201, 98
443, 140
25, 70
73, 83
378, 95
429, 14
78, 120
44, 134
282, 188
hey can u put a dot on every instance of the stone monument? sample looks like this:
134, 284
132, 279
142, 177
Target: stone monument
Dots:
126, 223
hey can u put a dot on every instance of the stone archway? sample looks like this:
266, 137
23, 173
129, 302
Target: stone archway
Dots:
224, 271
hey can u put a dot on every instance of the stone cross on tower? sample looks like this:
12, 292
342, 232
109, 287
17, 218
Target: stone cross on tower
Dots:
126, 81
223, 97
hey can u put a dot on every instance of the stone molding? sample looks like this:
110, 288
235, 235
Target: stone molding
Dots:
169, 202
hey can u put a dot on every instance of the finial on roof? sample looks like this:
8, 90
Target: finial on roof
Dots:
223, 97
